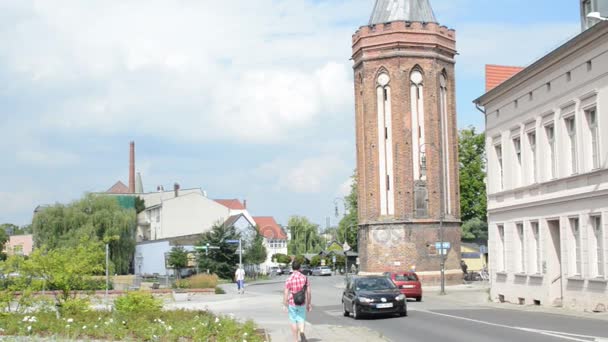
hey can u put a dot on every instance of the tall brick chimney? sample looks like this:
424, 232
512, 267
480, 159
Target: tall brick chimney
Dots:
132, 168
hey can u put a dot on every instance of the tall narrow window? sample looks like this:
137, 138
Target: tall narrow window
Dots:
536, 241
598, 234
445, 142
522, 250
418, 122
571, 129
595, 143
498, 149
575, 253
517, 151
550, 132
532, 144
385, 145
502, 251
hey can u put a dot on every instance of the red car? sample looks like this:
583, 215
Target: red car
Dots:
408, 283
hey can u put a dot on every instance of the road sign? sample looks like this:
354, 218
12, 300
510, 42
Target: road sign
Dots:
446, 245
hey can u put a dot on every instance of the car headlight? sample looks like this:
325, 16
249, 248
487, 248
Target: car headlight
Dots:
400, 297
365, 300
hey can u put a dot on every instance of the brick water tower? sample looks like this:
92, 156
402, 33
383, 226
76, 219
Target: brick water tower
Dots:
407, 142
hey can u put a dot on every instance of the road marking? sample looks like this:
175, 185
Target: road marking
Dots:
558, 334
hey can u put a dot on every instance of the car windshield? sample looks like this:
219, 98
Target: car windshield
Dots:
406, 277
374, 284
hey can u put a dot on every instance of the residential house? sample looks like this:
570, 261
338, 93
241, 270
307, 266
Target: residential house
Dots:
275, 239
19, 245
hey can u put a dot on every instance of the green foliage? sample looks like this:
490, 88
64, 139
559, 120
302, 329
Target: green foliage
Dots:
315, 261
3, 239
140, 205
255, 253
349, 224
334, 247
301, 259
475, 230
305, 236
220, 261
178, 259
200, 281
219, 290
281, 258
472, 160
138, 303
74, 307
93, 217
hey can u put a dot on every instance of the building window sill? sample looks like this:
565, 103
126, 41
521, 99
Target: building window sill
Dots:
576, 278
598, 280
502, 273
521, 275
537, 276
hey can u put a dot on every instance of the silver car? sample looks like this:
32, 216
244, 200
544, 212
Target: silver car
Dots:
321, 271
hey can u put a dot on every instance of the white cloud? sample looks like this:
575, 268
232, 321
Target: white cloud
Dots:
44, 157
344, 188
19, 202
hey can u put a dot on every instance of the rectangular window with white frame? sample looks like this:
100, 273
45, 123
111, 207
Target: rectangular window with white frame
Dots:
521, 247
591, 115
498, 150
536, 263
575, 264
532, 145
551, 155
570, 123
502, 252
518, 169
597, 249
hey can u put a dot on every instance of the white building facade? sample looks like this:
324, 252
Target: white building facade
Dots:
547, 177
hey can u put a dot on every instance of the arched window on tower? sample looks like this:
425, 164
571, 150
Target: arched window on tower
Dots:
385, 145
445, 141
418, 143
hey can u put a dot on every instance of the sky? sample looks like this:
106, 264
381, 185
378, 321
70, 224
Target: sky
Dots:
244, 99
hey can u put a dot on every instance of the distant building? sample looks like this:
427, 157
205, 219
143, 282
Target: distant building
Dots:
588, 6
19, 245
547, 177
275, 239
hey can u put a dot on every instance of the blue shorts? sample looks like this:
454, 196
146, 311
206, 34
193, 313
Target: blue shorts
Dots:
297, 314
240, 284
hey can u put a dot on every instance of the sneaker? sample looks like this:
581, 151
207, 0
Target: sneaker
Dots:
302, 337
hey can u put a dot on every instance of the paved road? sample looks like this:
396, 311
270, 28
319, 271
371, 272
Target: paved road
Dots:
459, 316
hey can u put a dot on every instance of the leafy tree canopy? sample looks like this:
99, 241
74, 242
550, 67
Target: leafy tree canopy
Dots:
93, 217
222, 261
473, 202
475, 230
281, 258
255, 253
349, 224
305, 236
178, 259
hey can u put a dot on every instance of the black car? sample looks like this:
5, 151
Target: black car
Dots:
372, 295
305, 270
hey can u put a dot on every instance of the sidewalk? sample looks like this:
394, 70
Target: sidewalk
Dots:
268, 313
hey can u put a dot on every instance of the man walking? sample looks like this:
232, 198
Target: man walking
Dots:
239, 276
297, 300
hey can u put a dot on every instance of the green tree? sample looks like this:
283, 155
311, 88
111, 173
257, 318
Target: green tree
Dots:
3, 240
9, 228
178, 259
92, 217
301, 259
349, 224
255, 253
473, 202
222, 261
140, 205
304, 236
281, 258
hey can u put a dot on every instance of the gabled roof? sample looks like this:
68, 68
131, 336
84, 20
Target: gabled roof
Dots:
497, 74
269, 228
119, 188
233, 204
386, 11
230, 221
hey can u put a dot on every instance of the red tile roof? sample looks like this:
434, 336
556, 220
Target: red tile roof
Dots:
119, 188
233, 204
269, 228
497, 74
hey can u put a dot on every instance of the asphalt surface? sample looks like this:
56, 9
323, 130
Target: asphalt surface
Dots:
458, 316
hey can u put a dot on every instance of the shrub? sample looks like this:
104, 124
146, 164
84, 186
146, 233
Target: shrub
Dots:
203, 281
74, 307
219, 290
138, 303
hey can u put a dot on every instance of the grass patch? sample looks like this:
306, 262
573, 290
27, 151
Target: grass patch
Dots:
166, 326
219, 290
199, 281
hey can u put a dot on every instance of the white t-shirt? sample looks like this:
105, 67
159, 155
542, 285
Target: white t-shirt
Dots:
240, 274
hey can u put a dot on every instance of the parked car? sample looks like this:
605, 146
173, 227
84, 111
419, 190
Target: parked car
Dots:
275, 270
321, 271
306, 270
408, 283
372, 295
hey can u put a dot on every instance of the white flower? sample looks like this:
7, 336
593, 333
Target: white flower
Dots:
67, 326
84, 327
99, 318
29, 328
25, 318
70, 320
32, 319
217, 319
95, 326
244, 334
123, 322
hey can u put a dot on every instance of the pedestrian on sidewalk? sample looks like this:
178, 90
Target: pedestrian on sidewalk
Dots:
297, 300
239, 276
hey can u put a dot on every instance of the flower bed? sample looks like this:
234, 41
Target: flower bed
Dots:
166, 326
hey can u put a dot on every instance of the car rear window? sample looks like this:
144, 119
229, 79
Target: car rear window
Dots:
406, 277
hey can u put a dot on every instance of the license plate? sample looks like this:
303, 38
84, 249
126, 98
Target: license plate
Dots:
407, 286
384, 306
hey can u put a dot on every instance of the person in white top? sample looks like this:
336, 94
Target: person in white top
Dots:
239, 276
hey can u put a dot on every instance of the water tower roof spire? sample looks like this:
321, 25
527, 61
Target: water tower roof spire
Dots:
386, 11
